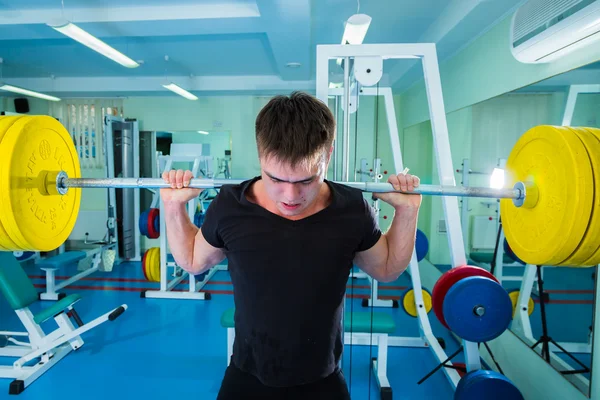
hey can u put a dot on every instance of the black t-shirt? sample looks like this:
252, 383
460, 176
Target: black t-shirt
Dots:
289, 279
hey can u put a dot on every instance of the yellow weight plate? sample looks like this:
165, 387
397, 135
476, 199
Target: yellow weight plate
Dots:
590, 243
156, 264
408, 302
30, 148
595, 258
6, 243
547, 231
514, 298
149, 269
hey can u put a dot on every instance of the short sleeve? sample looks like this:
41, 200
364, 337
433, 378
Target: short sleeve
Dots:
210, 226
371, 232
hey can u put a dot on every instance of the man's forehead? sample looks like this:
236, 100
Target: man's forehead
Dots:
295, 178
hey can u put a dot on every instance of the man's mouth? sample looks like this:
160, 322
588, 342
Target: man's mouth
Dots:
290, 206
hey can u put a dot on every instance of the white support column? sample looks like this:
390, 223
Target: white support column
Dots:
571, 100
443, 153
441, 141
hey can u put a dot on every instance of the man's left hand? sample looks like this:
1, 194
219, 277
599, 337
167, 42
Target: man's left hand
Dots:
405, 183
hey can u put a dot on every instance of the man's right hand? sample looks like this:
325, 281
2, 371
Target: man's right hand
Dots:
179, 191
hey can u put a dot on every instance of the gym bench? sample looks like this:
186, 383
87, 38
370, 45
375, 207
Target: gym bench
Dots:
379, 325
49, 349
89, 260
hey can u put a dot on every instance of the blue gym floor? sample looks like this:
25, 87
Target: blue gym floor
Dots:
163, 348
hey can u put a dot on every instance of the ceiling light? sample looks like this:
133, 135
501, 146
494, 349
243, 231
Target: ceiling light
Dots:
78, 34
182, 92
356, 29
15, 89
203, 132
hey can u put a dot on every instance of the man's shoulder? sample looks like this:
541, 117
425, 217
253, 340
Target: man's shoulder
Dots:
347, 196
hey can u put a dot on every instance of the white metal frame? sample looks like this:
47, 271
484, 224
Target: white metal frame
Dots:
49, 349
386, 92
426, 52
166, 286
379, 364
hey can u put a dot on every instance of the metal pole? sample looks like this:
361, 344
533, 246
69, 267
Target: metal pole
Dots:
346, 134
372, 187
335, 144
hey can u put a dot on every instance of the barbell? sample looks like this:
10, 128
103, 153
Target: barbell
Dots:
549, 205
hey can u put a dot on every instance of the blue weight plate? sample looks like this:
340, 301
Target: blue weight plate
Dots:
143, 223
489, 385
421, 244
510, 253
467, 295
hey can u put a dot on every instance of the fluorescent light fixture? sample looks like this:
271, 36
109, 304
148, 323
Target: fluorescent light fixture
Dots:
26, 92
78, 34
497, 179
182, 92
203, 132
356, 29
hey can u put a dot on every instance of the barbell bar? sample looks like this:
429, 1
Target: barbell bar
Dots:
63, 183
550, 203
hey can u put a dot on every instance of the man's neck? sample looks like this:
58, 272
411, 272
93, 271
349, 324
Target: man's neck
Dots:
258, 195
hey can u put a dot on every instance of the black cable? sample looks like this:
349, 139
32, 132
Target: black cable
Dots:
377, 121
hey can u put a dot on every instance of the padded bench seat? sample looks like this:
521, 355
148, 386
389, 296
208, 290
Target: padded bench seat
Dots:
365, 322
52, 264
62, 259
56, 308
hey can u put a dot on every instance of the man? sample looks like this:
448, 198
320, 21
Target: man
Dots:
291, 238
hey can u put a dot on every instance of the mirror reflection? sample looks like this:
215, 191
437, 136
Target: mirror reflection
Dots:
553, 306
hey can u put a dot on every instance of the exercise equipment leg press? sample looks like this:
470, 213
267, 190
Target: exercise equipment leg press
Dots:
49, 349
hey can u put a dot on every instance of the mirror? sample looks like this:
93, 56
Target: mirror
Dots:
560, 328
213, 148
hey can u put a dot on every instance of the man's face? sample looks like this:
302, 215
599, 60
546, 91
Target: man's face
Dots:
293, 190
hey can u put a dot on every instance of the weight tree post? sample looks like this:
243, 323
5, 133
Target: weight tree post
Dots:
441, 142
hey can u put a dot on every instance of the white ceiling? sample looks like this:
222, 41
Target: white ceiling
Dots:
219, 47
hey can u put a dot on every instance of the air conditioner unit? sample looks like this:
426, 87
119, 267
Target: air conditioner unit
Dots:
544, 30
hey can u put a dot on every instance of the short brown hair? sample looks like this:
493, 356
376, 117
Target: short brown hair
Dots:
294, 128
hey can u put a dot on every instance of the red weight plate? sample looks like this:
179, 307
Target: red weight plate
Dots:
144, 265
448, 279
152, 233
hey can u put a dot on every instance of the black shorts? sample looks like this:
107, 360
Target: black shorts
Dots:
238, 385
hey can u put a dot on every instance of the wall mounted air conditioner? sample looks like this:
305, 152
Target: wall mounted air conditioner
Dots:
544, 30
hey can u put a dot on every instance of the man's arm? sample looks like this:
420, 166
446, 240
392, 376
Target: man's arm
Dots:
391, 255
188, 246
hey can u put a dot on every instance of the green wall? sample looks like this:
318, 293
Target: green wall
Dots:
486, 69
36, 106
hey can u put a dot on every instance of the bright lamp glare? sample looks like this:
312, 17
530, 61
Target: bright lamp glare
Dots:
182, 92
497, 179
27, 92
78, 34
356, 29
203, 132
